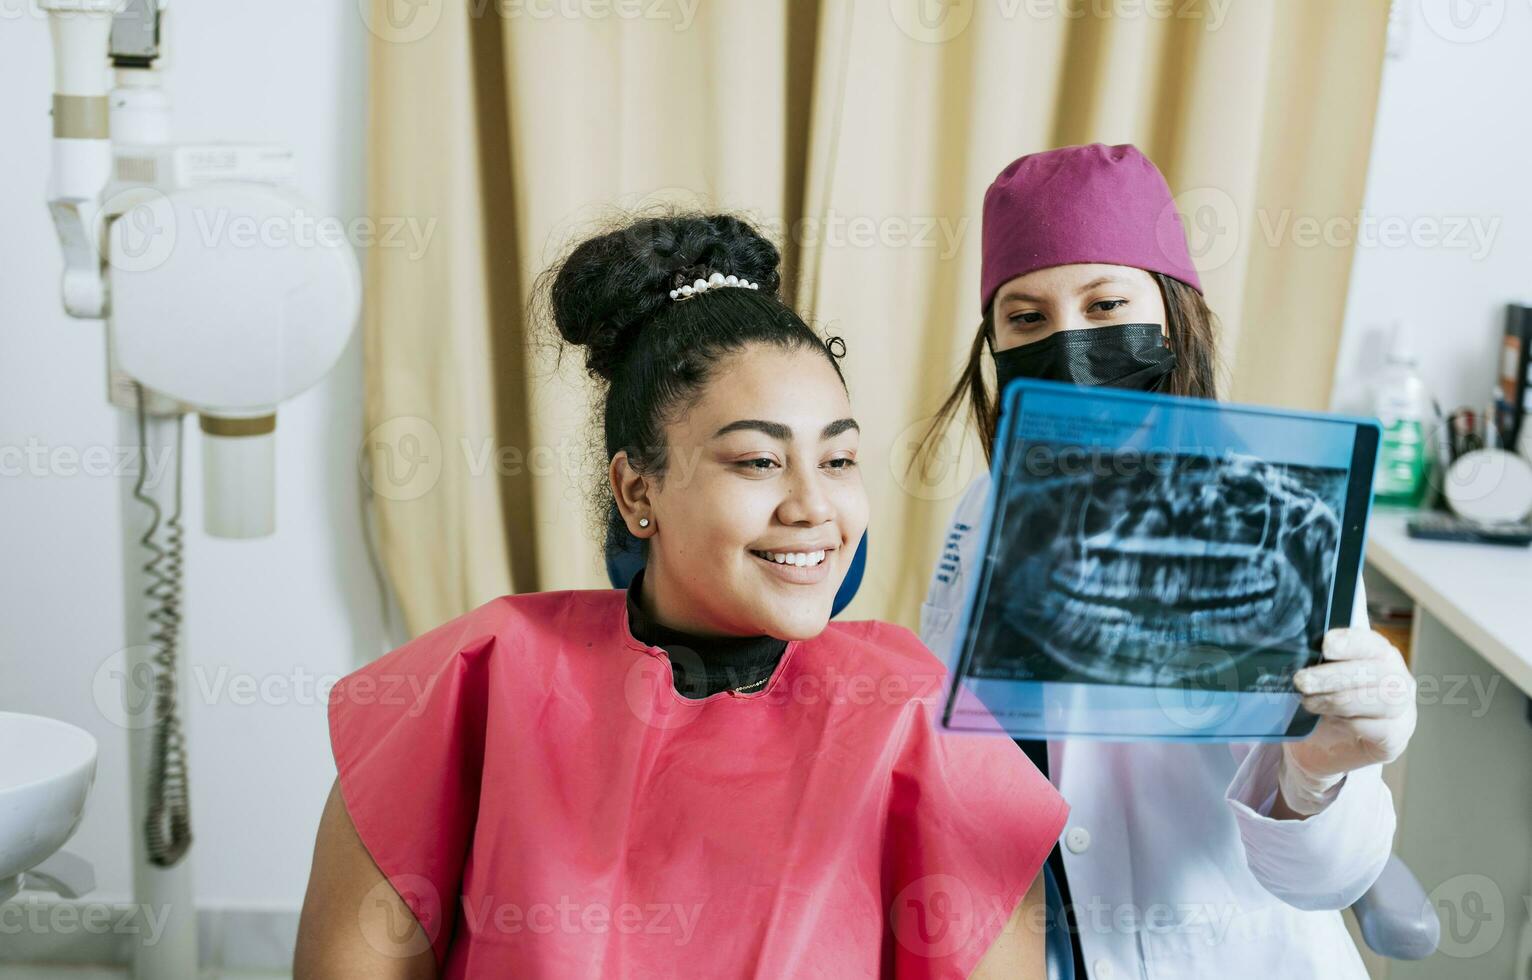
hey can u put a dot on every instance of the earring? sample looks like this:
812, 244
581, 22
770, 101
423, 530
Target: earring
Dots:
643, 522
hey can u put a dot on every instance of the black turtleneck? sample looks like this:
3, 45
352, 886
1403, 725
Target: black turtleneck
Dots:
704, 665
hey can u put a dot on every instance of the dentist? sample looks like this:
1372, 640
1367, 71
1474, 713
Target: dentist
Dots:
1179, 860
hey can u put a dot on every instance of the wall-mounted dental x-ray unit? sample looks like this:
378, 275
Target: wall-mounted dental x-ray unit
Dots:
224, 293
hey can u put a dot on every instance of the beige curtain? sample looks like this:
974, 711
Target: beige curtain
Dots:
862, 133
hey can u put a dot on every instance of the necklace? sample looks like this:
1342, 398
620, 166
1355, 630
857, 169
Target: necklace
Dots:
741, 690
735, 649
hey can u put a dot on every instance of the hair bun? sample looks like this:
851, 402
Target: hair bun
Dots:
613, 284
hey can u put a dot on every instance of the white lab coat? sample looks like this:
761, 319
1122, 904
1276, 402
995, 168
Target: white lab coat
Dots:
1175, 869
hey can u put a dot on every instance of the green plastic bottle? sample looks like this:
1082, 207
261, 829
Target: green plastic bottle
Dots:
1403, 408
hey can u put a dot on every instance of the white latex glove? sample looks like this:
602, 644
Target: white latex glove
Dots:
1365, 697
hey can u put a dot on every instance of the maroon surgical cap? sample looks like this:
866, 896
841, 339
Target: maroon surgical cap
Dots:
1095, 203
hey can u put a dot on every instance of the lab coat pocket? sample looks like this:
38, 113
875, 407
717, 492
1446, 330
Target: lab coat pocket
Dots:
1214, 941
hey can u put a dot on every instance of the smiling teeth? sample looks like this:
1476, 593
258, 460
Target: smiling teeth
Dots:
799, 558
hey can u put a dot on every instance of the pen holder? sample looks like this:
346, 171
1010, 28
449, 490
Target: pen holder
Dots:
1490, 485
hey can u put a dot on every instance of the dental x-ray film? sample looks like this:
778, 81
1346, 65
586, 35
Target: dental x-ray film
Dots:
1158, 567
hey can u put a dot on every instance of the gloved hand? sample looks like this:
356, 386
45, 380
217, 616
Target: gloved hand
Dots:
1365, 697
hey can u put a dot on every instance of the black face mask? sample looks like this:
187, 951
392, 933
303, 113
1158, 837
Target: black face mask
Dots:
1127, 355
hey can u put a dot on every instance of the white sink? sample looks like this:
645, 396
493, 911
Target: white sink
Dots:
46, 771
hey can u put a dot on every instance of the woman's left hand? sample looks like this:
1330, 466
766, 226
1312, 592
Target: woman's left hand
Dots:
1365, 697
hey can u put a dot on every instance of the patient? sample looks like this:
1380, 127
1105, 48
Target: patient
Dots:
678, 778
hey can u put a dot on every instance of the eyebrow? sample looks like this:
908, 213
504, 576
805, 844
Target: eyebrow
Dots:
782, 433
1093, 284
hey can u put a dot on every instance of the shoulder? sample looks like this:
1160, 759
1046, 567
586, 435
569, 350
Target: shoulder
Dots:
505, 622
958, 546
558, 610
876, 636
966, 518
568, 607
971, 504
883, 652
452, 669
528, 608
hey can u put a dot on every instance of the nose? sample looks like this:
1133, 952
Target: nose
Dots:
806, 503
1059, 320
1073, 319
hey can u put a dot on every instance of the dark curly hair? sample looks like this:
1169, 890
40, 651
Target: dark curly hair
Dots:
653, 355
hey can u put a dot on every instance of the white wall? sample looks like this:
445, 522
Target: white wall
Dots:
302, 603
1452, 148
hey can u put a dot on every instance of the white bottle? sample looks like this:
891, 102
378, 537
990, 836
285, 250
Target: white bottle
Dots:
1403, 407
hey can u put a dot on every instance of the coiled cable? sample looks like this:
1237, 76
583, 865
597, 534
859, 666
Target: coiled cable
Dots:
167, 825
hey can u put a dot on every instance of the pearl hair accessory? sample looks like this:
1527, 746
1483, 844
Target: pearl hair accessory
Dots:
715, 281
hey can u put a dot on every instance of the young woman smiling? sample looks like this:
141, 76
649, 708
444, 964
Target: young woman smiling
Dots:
700, 775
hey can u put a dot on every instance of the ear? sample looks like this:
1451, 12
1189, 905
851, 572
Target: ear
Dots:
631, 492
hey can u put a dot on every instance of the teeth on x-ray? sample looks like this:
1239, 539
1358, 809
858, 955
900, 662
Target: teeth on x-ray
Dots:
1136, 578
